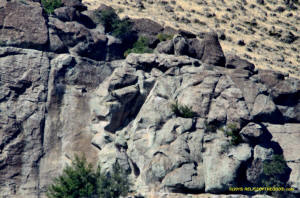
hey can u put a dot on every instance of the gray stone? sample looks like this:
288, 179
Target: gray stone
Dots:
180, 45
23, 81
264, 109
288, 136
165, 47
14, 32
252, 133
213, 53
100, 139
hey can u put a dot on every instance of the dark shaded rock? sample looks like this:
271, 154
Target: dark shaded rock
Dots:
66, 13
165, 47
70, 33
241, 43
146, 26
94, 50
261, 2
169, 8
77, 4
236, 62
196, 48
115, 49
213, 53
285, 93
180, 45
55, 43
23, 25
186, 34
288, 37
270, 78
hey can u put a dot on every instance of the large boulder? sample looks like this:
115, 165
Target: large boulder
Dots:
213, 53
146, 26
208, 50
235, 62
66, 13
196, 48
180, 45
252, 133
23, 25
285, 93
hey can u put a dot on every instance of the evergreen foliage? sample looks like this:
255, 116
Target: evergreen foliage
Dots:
182, 110
140, 46
273, 170
50, 5
113, 24
164, 37
80, 180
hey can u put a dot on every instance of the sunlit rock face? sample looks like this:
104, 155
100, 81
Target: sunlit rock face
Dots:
75, 93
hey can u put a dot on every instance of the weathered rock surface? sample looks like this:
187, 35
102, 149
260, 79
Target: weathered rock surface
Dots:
23, 90
73, 98
288, 137
23, 25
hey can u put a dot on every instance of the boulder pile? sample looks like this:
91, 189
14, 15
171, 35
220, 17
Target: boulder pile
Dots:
66, 88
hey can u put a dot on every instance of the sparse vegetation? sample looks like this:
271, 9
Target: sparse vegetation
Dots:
50, 5
273, 170
113, 24
164, 37
140, 46
233, 132
182, 110
80, 180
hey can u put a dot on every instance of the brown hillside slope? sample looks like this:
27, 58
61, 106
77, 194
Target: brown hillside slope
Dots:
263, 33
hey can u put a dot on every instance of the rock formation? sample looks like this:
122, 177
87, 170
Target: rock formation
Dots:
65, 88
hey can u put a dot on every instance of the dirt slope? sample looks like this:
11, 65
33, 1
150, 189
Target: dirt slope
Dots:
265, 32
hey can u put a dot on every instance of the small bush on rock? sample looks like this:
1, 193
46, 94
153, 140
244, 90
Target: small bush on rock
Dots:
273, 170
80, 180
182, 110
232, 131
140, 46
50, 5
164, 37
113, 24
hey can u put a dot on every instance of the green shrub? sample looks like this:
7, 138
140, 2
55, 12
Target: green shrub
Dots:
182, 110
115, 184
50, 5
113, 24
80, 180
273, 170
164, 37
232, 131
140, 46
122, 29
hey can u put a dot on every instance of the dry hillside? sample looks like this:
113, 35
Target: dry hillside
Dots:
264, 32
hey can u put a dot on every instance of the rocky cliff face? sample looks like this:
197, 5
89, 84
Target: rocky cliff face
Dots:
65, 88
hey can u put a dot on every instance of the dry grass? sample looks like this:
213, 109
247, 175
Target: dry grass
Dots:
232, 18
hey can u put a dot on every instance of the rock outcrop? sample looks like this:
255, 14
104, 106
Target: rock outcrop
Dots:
23, 25
75, 93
